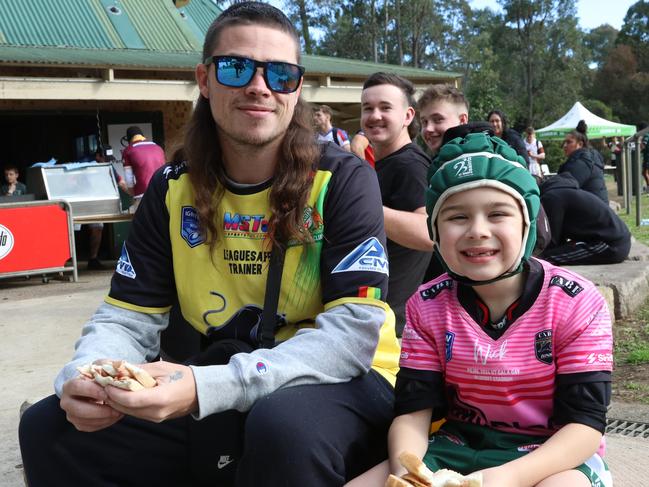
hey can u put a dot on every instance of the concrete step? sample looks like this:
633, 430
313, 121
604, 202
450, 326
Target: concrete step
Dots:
625, 286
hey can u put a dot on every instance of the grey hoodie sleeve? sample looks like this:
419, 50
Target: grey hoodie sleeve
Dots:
339, 348
115, 333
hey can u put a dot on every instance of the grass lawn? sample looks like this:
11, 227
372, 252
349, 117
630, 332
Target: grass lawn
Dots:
641, 233
631, 352
631, 335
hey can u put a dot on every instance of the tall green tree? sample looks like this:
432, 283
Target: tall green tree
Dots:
308, 16
635, 33
623, 80
478, 62
539, 59
419, 33
350, 30
542, 48
600, 41
622, 86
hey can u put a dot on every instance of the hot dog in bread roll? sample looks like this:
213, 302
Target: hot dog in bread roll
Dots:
118, 373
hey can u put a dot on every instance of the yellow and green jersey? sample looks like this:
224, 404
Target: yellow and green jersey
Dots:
166, 258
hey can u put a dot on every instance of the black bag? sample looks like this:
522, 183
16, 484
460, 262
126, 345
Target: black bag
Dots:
249, 328
219, 353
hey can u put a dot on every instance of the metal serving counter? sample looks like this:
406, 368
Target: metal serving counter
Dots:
90, 188
37, 237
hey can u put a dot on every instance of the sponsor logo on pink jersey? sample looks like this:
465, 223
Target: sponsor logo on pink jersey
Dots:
599, 358
482, 354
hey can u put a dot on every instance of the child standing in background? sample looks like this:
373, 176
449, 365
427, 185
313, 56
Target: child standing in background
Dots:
11, 186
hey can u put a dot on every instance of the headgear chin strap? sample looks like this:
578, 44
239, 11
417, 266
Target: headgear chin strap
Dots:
470, 282
477, 161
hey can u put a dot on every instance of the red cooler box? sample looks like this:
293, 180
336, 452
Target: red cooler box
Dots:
36, 238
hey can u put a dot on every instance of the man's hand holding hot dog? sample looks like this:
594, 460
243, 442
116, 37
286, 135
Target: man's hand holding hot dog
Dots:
174, 396
83, 401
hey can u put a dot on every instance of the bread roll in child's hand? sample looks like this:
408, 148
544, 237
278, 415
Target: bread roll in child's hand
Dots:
118, 373
420, 476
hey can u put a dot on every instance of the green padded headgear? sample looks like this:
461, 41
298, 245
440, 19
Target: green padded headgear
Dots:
476, 161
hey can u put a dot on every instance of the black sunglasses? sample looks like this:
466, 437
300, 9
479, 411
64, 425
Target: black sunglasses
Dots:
237, 72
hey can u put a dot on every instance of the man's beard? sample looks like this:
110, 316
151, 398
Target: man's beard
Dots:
250, 139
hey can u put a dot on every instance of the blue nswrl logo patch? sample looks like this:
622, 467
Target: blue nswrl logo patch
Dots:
450, 338
189, 228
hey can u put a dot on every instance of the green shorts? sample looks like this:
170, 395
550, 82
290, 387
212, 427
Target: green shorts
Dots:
466, 448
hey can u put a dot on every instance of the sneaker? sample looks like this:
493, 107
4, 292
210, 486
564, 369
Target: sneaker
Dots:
95, 265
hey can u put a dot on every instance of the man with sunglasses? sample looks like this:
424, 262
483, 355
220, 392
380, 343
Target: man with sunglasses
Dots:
312, 410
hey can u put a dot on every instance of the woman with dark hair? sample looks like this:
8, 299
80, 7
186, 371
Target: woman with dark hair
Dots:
584, 163
498, 121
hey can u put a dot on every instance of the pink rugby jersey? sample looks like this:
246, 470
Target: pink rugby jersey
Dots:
508, 384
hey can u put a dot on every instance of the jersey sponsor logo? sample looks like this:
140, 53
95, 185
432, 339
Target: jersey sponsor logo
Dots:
599, 358
224, 461
173, 171
435, 289
6, 241
124, 266
493, 375
571, 288
463, 167
482, 354
449, 338
189, 227
250, 226
543, 346
367, 257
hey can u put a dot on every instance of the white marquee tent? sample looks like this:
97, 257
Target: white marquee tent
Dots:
598, 127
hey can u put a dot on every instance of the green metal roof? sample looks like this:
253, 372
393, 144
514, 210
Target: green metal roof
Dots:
79, 23
350, 67
138, 34
202, 13
103, 58
99, 24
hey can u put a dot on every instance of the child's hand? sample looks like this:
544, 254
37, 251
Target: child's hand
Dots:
499, 477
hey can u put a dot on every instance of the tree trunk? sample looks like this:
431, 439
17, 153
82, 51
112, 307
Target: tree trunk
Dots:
304, 20
397, 4
375, 47
414, 32
386, 8
530, 95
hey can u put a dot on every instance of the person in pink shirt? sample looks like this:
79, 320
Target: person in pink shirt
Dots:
514, 353
141, 158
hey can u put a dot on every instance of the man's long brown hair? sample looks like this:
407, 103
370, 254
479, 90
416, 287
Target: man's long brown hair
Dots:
201, 150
